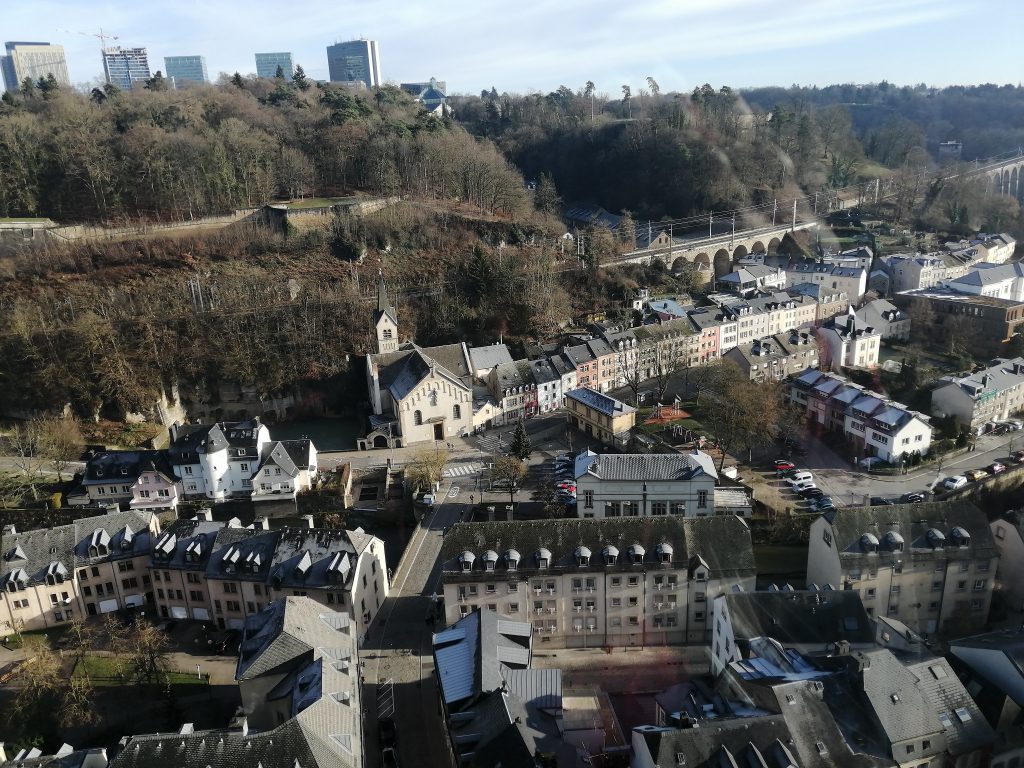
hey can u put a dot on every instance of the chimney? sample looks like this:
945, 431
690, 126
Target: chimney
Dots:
245, 726
186, 728
307, 521
9, 530
261, 524
205, 514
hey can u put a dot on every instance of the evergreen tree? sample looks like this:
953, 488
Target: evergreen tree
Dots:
48, 85
300, 79
97, 96
8, 99
157, 82
279, 75
236, 80
28, 88
111, 90
520, 447
546, 198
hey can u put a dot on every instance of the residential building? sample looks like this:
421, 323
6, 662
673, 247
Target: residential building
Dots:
286, 468
891, 322
997, 658
666, 309
566, 375
126, 67
217, 461
828, 302
514, 392
547, 385
764, 741
585, 364
861, 256
999, 281
932, 566
851, 280
33, 61
709, 325
646, 484
982, 398
298, 680
484, 359
872, 424
185, 70
417, 394
727, 325
786, 313
775, 358
995, 249
140, 479
603, 417
91, 566
355, 61
748, 280
215, 571
849, 345
497, 710
267, 64
666, 346
1008, 535
986, 323
751, 322
430, 94
610, 582
809, 622
911, 272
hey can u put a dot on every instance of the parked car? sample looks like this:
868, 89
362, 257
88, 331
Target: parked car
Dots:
822, 503
803, 485
386, 732
812, 493
912, 497
954, 482
800, 476
1017, 457
784, 465
995, 468
879, 501
974, 475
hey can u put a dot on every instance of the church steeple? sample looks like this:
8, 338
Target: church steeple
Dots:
385, 320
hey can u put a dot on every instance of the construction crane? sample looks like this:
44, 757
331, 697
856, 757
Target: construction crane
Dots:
102, 37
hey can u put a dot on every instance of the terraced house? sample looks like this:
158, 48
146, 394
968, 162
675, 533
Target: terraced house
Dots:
931, 566
588, 583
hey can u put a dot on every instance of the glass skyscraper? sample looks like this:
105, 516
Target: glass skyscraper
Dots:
267, 64
356, 61
126, 67
34, 60
185, 70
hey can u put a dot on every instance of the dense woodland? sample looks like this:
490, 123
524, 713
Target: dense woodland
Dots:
471, 253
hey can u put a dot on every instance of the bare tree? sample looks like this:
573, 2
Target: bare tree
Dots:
61, 442
25, 444
149, 651
508, 471
425, 468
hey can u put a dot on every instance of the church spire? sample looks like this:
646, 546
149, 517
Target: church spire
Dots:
383, 305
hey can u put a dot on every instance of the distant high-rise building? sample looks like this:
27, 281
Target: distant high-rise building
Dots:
357, 61
267, 64
185, 70
125, 67
34, 60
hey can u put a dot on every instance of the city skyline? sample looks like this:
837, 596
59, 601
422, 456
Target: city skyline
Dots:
680, 43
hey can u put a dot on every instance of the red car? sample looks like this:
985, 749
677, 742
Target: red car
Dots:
784, 465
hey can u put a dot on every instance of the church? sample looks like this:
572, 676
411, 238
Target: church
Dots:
417, 394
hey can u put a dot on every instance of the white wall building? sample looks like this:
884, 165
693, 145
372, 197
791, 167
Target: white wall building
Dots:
217, 461
890, 321
993, 394
849, 345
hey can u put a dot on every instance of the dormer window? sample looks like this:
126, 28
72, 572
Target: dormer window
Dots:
467, 559
543, 558
512, 559
610, 554
664, 553
636, 554
582, 557
869, 543
490, 559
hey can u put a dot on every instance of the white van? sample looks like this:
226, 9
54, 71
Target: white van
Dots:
799, 477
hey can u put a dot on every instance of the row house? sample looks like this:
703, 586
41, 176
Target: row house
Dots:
775, 358
931, 566
874, 425
1001, 281
786, 312
516, 394
828, 301
851, 280
982, 398
646, 485
131, 479
548, 382
911, 272
751, 322
598, 582
92, 566
223, 573
712, 328
669, 344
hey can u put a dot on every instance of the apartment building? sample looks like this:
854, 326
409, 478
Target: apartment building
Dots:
604, 417
217, 461
828, 302
751, 322
987, 323
92, 566
786, 312
711, 328
851, 280
848, 344
873, 424
891, 322
136, 479
598, 582
774, 358
646, 484
931, 566
976, 401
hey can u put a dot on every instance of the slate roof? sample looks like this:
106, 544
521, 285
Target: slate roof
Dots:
117, 467
941, 689
779, 347
578, 354
667, 307
543, 372
315, 649
988, 274
604, 404
653, 466
406, 374
127, 535
800, 618
308, 557
912, 522
185, 544
509, 377
996, 378
65, 757
817, 291
489, 356
243, 554
755, 741
722, 542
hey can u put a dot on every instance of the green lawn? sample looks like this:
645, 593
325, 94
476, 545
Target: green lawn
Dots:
318, 202
102, 670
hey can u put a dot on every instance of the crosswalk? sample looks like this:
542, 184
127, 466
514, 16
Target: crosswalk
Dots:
491, 443
461, 470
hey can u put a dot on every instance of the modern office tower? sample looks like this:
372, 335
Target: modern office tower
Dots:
357, 61
185, 70
126, 67
34, 60
267, 64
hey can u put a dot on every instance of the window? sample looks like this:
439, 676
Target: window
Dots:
188, 471
616, 602
945, 720
456, 411
634, 581
977, 605
417, 418
634, 621
616, 581
632, 602
232, 589
698, 616
87, 591
588, 499
234, 605
827, 538
513, 607
961, 586
659, 508
962, 714
131, 583
193, 578
979, 585
702, 499
195, 595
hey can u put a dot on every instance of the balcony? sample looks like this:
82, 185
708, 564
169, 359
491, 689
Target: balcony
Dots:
274, 492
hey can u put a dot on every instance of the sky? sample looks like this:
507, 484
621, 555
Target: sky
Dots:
537, 45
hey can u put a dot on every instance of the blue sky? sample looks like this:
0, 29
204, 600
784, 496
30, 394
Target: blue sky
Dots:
532, 45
